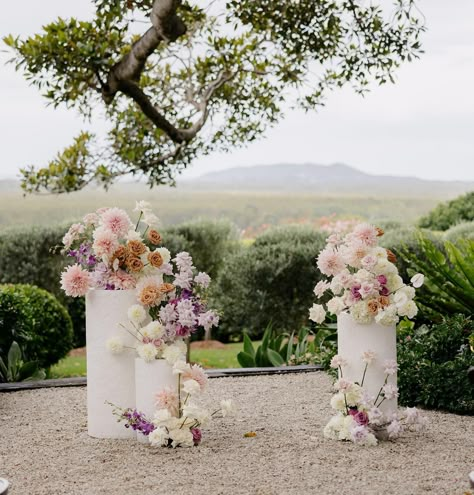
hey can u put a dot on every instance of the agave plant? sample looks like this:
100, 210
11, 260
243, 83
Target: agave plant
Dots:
284, 349
15, 369
449, 282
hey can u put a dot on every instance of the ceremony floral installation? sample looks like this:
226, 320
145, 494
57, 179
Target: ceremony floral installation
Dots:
359, 418
365, 282
177, 421
111, 252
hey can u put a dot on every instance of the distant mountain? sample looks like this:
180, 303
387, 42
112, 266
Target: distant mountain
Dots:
324, 179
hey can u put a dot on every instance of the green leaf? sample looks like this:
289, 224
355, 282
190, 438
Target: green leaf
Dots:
246, 360
248, 346
275, 358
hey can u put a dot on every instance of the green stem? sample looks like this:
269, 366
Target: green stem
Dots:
138, 222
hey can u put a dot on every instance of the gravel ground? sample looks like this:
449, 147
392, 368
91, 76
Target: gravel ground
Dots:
45, 448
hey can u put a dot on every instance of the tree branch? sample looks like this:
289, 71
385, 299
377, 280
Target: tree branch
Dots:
167, 26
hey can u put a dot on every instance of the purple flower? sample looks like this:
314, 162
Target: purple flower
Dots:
197, 435
361, 418
382, 279
384, 291
355, 292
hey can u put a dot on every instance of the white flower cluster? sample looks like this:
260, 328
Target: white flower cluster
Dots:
364, 281
359, 418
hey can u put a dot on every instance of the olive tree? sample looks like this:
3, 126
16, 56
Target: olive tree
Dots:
178, 79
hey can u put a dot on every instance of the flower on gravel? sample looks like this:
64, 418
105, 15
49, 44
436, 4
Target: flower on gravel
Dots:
227, 407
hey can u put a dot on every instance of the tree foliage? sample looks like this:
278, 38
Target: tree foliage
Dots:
445, 215
201, 77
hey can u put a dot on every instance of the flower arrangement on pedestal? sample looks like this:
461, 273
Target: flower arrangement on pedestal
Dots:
111, 252
359, 418
365, 282
177, 421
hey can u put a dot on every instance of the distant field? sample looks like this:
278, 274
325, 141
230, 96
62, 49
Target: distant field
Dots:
245, 209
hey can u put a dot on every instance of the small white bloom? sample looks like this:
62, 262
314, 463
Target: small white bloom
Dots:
417, 280
133, 235
154, 330
191, 387
147, 352
136, 314
394, 429
321, 287
174, 352
115, 345
158, 437
369, 357
390, 366
317, 313
354, 395
227, 407
390, 391
338, 402
376, 416
196, 413
142, 206
202, 279
150, 219
165, 254
388, 316
181, 437
343, 385
181, 367
336, 305
409, 309
338, 361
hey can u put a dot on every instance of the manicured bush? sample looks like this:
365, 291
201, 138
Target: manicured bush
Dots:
37, 321
268, 281
434, 365
26, 258
450, 213
463, 230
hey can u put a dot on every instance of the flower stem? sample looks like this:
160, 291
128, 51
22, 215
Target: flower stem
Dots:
138, 222
363, 376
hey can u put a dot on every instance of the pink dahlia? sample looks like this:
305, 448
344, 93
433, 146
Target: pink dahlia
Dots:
75, 281
330, 262
105, 243
366, 233
122, 280
167, 399
117, 221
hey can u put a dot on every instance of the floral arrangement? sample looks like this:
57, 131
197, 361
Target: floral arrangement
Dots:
111, 252
177, 421
359, 418
365, 282
167, 313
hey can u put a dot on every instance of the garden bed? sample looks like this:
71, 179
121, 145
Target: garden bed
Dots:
45, 448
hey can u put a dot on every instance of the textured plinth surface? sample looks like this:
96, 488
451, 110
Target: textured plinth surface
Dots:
45, 448
111, 377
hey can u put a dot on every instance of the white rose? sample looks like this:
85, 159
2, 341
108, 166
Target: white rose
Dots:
388, 316
336, 305
196, 413
317, 313
191, 387
408, 309
158, 437
181, 436
165, 254
133, 235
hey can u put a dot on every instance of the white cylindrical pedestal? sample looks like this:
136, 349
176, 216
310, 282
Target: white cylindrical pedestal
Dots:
110, 377
151, 378
353, 339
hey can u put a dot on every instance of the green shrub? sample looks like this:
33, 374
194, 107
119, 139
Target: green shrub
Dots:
296, 234
26, 258
206, 241
434, 366
463, 230
267, 282
37, 321
450, 213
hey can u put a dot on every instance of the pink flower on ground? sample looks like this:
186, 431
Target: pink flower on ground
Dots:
123, 280
167, 399
75, 281
361, 418
366, 233
196, 373
197, 435
105, 243
359, 434
117, 221
330, 262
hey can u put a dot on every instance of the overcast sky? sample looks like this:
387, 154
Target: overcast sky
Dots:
422, 126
